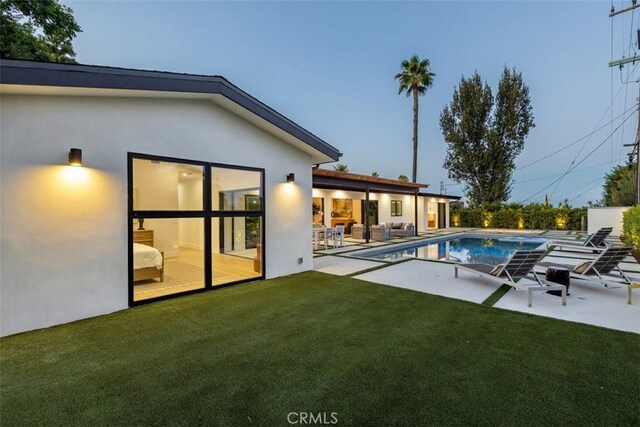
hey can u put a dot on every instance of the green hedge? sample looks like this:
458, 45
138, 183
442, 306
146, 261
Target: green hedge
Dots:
534, 216
631, 227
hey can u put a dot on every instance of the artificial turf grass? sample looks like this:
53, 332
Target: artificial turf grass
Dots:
319, 343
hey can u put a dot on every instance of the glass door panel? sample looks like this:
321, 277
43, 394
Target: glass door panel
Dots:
168, 257
237, 249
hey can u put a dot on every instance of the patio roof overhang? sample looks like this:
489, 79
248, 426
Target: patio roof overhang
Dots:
439, 196
334, 180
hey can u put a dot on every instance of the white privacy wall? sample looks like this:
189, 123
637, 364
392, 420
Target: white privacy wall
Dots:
64, 229
598, 218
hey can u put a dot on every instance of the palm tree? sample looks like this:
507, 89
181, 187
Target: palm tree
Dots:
341, 168
415, 78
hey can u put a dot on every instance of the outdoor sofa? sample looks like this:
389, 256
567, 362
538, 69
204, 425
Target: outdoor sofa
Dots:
384, 231
400, 229
378, 232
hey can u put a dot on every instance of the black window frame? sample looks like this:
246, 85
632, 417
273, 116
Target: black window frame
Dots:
207, 214
396, 211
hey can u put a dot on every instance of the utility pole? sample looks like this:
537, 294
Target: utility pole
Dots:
620, 63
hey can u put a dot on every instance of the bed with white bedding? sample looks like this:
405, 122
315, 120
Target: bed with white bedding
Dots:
148, 263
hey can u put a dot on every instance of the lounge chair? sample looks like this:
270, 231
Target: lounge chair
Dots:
601, 268
518, 266
596, 241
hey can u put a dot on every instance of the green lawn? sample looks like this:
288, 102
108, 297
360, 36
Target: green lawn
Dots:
318, 343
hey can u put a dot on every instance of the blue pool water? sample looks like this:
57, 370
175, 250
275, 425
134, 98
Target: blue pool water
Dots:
491, 251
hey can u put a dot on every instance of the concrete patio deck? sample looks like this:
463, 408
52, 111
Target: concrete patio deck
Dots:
588, 302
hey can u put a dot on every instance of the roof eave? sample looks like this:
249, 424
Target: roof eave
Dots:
29, 73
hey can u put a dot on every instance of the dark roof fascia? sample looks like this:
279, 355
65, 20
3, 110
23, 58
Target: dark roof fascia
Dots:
329, 183
439, 196
17, 72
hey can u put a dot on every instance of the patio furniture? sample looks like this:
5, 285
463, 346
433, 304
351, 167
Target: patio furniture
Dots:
380, 232
596, 241
402, 230
558, 275
347, 229
518, 266
357, 231
629, 289
318, 235
338, 236
601, 268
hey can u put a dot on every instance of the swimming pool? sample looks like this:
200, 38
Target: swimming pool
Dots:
491, 250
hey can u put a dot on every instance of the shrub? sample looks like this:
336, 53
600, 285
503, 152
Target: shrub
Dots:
514, 216
631, 227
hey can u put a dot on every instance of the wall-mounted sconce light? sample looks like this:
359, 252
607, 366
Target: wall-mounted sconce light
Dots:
291, 178
75, 157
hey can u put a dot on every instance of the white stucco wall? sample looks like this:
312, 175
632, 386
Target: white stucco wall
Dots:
64, 229
598, 218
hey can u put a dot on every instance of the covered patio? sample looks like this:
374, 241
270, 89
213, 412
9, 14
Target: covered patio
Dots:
348, 199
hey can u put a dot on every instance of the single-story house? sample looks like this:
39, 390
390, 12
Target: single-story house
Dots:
348, 198
122, 186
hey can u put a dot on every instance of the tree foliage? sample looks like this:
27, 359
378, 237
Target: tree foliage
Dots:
375, 174
620, 186
37, 30
485, 134
631, 227
403, 178
341, 168
414, 79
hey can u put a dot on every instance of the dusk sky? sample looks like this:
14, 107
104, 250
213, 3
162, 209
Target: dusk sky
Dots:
329, 66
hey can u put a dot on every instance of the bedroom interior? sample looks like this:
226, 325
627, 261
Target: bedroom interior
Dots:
169, 253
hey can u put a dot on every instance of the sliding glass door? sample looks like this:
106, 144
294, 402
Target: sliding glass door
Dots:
237, 232
192, 226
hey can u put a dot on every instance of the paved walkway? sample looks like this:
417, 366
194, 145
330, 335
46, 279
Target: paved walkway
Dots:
588, 302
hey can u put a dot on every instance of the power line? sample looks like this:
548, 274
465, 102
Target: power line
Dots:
571, 165
571, 168
577, 140
586, 191
579, 187
557, 174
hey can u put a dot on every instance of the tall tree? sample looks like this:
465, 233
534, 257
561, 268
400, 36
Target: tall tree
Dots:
620, 186
37, 30
484, 135
415, 78
341, 168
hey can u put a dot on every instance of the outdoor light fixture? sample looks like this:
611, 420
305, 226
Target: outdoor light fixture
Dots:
75, 157
291, 178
